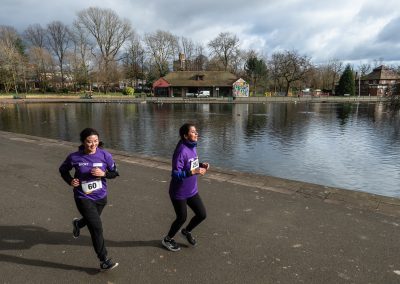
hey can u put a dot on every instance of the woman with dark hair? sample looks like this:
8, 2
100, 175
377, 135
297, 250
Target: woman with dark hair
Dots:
93, 165
183, 189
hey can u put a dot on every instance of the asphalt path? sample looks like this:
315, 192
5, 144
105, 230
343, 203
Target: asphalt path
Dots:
258, 229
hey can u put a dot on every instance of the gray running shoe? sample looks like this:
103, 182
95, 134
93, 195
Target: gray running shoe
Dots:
108, 265
170, 244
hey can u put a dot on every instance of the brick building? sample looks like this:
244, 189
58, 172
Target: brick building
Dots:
377, 82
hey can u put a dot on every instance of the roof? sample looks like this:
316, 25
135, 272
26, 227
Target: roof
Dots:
200, 79
240, 82
160, 83
381, 73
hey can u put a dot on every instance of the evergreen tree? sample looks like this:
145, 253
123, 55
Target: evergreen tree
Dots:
346, 83
255, 69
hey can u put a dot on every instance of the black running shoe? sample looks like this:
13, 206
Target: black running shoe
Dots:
189, 237
76, 231
170, 244
108, 265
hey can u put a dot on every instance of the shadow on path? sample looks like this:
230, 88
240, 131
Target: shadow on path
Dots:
43, 263
25, 237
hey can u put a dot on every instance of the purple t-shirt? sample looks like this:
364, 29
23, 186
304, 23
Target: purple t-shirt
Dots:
184, 159
95, 187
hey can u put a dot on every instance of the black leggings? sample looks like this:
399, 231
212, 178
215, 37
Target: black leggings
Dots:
91, 211
198, 208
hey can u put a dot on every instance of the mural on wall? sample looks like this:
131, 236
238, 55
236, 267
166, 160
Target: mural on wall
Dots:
240, 88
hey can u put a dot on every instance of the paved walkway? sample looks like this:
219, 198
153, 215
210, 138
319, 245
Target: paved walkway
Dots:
258, 230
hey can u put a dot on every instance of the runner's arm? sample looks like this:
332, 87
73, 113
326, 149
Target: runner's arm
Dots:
65, 169
113, 173
178, 173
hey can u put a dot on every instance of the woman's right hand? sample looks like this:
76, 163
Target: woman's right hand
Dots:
75, 182
205, 165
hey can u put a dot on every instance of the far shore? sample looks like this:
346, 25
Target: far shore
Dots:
104, 98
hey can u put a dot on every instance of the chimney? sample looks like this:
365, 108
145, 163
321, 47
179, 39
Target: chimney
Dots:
182, 61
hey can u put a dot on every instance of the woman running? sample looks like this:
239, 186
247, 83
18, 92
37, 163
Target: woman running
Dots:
93, 166
183, 187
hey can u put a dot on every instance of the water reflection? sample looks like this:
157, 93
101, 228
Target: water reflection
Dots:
352, 146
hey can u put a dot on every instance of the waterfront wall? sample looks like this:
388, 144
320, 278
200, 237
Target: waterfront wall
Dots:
127, 99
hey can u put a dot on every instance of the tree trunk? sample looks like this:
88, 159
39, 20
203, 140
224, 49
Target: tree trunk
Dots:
287, 88
15, 83
255, 86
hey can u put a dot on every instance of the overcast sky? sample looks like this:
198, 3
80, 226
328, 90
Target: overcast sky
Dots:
355, 31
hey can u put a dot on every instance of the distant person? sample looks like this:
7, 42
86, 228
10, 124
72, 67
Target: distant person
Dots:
183, 187
93, 166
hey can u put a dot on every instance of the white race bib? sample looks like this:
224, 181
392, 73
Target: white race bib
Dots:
194, 164
89, 187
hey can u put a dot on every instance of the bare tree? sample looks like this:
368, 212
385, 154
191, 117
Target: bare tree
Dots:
134, 61
225, 47
11, 57
313, 79
214, 64
335, 68
82, 58
289, 67
58, 38
237, 62
378, 62
109, 32
364, 69
187, 47
39, 56
195, 59
162, 46
41, 63
323, 77
35, 35
200, 59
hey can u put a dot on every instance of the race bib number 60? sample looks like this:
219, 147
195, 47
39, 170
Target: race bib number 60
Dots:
91, 186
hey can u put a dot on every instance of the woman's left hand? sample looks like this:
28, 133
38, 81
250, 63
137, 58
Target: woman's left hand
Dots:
97, 172
199, 171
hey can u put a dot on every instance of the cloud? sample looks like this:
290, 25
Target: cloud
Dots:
390, 32
356, 30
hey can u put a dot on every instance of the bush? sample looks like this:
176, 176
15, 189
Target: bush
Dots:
128, 91
17, 97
